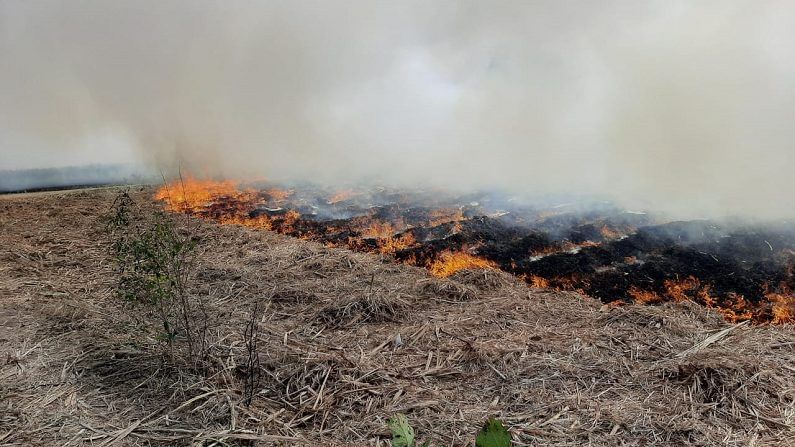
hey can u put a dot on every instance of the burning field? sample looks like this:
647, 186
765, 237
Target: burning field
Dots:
536, 223
348, 338
745, 271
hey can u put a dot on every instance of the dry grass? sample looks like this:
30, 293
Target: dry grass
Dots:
560, 369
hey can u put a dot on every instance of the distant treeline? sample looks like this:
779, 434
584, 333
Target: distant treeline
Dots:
72, 176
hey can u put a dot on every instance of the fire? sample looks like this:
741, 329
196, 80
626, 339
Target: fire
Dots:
736, 308
450, 262
537, 282
261, 222
690, 289
191, 195
573, 282
682, 290
706, 297
291, 217
644, 296
379, 230
396, 243
783, 307
387, 239
222, 200
782, 304
382, 229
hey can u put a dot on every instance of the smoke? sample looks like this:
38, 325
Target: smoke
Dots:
679, 106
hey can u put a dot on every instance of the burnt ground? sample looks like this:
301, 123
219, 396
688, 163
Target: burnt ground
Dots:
79, 368
744, 268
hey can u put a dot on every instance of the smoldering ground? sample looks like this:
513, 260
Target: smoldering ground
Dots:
680, 106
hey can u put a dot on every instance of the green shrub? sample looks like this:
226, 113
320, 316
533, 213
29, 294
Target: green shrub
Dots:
493, 433
154, 261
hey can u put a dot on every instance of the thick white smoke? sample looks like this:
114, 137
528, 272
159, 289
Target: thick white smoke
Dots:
686, 106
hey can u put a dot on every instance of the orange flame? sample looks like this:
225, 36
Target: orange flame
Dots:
783, 307
644, 296
450, 262
681, 290
261, 222
735, 308
397, 243
379, 230
191, 195
537, 282
194, 196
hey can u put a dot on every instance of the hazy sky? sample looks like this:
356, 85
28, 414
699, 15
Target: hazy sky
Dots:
687, 105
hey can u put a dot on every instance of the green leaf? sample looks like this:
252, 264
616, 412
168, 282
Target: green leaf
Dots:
493, 434
402, 433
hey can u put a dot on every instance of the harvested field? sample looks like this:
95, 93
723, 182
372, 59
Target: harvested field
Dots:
78, 368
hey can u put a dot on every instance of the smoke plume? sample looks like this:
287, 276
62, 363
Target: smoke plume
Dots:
676, 105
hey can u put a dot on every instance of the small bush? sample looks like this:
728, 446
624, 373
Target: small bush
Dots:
493, 434
154, 261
